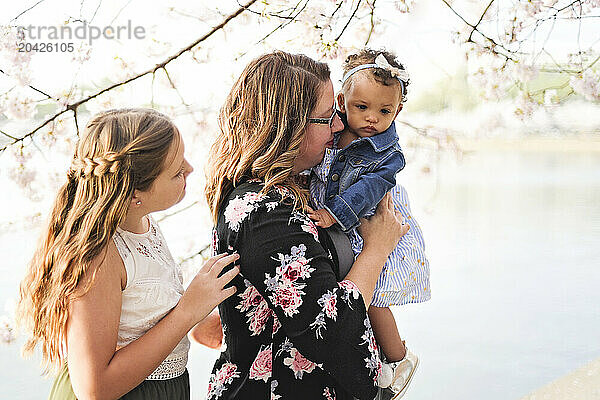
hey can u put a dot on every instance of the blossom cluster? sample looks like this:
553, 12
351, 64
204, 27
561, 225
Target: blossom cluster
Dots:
7, 330
587, 84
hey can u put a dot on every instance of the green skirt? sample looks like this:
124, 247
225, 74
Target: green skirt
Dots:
175, 388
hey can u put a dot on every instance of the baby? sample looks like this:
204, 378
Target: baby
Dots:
351, 180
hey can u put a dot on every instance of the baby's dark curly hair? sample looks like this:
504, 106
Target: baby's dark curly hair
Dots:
367, 56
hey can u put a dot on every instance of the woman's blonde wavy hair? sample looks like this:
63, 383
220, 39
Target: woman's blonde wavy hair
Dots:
262, 125
120, 151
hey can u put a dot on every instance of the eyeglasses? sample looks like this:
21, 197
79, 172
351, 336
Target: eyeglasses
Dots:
323, 121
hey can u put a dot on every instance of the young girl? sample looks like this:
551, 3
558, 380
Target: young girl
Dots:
103, 296
351, 180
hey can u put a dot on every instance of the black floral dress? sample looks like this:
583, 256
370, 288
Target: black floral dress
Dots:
291, 330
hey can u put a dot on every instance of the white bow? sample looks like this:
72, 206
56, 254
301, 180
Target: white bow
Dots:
398, 73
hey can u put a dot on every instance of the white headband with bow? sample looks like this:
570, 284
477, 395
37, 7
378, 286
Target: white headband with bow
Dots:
381, 62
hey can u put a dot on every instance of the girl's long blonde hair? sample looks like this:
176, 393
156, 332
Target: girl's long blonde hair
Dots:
120, 151
262, 125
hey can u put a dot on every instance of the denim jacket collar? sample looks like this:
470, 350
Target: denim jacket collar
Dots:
380, 142
383, 140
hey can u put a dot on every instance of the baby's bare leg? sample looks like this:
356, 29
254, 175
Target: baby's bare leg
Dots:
386, 333
209, 331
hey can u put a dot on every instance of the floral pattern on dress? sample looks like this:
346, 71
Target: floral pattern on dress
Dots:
258, 310
215, 242
276, 324
299, 364
329, 394
349, 289
262, 367
328, 304
306, 223
285, 285
374, 362
240, 207
284, 192
274, 385
224, 376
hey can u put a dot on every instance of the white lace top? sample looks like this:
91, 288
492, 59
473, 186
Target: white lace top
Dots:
154, 286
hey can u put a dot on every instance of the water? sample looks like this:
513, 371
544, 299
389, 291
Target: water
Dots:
514, 245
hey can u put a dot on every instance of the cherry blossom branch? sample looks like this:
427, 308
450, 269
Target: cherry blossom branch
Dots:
73, 106
438, 140
276, 15
48, 97
286, 23
175, 88
7, 135
76, 121
349, 20
480, 19
567, 6
372, 20
475, 28
29, 9
337, 9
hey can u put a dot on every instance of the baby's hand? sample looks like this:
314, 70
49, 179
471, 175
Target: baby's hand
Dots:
321, 217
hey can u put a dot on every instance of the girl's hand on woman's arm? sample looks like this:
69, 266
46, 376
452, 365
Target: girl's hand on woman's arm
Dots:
98, 371
380, 234
206, 290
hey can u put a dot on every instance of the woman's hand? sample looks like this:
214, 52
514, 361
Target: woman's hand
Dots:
384, 229
206, 290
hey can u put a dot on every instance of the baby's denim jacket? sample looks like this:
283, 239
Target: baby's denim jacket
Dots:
360, 175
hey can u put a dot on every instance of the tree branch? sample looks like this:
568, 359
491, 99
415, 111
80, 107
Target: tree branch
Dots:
372, 21
424, 133
74, 106
480, 19
29, 9
276, 15
76, 121
286, 23
493, 45
175, 88
280, 26
7, 135
337, 9
348, 22
33, 88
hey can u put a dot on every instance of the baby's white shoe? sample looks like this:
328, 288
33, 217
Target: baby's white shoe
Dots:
386, 376
403, 372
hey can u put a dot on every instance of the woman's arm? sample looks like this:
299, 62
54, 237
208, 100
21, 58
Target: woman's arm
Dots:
96, 370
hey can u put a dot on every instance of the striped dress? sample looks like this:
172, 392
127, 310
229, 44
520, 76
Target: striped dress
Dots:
405, 276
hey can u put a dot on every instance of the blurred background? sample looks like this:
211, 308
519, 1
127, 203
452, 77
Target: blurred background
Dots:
501, 132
